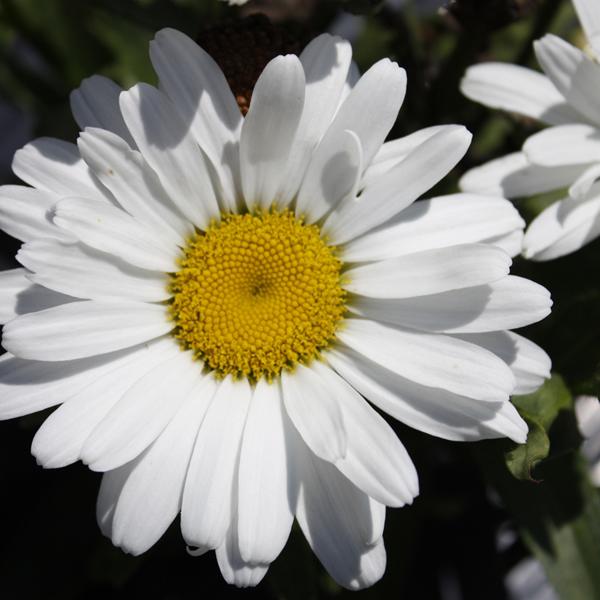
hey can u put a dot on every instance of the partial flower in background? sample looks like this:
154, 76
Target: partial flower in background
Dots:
567, 155
211, 298
587, 410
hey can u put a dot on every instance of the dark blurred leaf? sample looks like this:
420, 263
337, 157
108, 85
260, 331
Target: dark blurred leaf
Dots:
522, 460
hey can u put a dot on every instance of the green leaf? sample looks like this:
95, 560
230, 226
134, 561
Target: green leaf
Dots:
522, 460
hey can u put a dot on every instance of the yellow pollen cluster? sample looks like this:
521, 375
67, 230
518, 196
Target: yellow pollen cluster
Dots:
257, 293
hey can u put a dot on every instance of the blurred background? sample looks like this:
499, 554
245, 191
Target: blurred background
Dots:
460, 539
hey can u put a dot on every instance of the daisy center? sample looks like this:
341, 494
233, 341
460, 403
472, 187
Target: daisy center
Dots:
257, 293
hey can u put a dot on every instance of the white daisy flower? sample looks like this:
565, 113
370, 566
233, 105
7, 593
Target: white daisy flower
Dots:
566, 155
211, 298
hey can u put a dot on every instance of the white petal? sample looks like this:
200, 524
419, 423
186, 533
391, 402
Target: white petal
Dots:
315, 412
575, 75
333, 175
339, 522
564, 145
27, 386
517, 89
431, 360
134, 184
399, 187
166, 143
391, 153
151, 497
197, 87
563, 227
511, 243
437, 223
265, 513
19, 296
505, 304
142, 413
376, 461
82, 329
25, 213
325, 60
207, 497
583, 184
55, 166
529, 363
434, 411
82, 272
429, 272
513, 176
371, 107
589, 15
270, 128
95, 103
112, 230
60, 439
108, 496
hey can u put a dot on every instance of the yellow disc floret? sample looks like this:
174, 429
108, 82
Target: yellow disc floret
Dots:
257, 293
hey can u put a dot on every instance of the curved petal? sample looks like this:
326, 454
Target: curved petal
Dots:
111, 230
206, 510
269, 129
142, 413
166, 143
265, 512
82, 272
437, 223
95, 103
589, 15
134, 184
61, 438
82, 329
151, 497
505, 304
429, 272
576, 76
564, 145
315, 412
198, 89
519, 90
433, 411
55, 166
431, 360
398, 188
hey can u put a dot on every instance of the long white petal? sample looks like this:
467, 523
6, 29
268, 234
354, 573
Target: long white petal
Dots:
376, 461
112, 230
431, 410
437, 223
513, 176
429, 272
151, 498
60, 440
83, 272
270, 128
339, 521
166, 143
208, 494
108, 495
529, 363
325, 60
95, 103
433, 360
25, 213
196, 85
145, 409
575, 75
505, 304
265, 512
315, 412
589, 15
82, 329
55, 166
134, 184
564, 145
519, 90
398, 188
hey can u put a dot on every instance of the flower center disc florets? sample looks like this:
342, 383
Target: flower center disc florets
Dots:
256, 294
